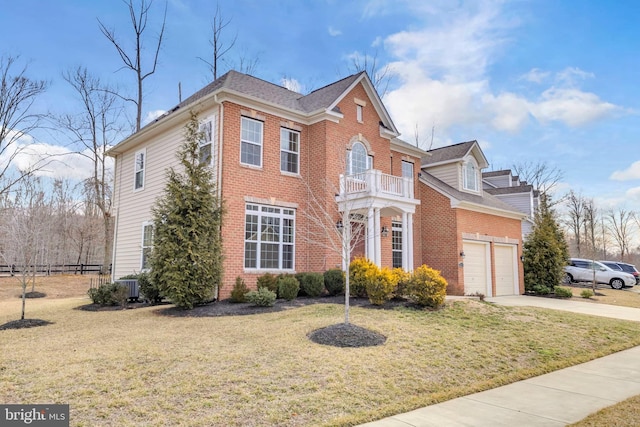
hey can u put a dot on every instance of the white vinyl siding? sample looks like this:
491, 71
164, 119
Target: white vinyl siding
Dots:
289, 150
251, 142
446, 173
269, 241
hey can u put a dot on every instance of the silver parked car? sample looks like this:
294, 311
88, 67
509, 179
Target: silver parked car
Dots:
583, 270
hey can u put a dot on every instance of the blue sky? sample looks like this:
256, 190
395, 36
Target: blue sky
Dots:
531, 80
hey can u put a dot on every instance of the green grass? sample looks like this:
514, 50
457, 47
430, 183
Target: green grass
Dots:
135, 367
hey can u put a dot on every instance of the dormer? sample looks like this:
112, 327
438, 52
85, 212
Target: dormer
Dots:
458, 165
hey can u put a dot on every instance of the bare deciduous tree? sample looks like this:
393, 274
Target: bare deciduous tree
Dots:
576, 218
17, 120
219, 46
541, 175
133, 60
620, 225
96, 128
380, 76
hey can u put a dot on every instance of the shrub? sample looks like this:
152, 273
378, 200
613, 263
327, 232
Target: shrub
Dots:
239, 292
288, 287
268, 281
263, 297
361, 271
427, 287
109, 294
587, 293
540, 289
334, 281
563, 292
311, 284
380, 286
402, 281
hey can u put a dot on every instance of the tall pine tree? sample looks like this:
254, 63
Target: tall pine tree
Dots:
545, 252
186, 260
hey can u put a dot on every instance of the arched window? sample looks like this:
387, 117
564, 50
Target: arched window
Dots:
357, 159
470, 176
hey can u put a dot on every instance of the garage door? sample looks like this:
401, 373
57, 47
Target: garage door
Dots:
476, 268
506, 270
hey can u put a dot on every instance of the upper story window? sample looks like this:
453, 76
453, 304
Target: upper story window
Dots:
470, 176
251, 142
359, 113
358, 160
289, 150
407, 169
206, 129
147, 244
140, 163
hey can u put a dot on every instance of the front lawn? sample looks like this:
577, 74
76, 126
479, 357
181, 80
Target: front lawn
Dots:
136, 367
628, 297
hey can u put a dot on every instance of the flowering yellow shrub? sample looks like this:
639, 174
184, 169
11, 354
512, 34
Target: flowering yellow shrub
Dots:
361, 271
381, 286
427, 287
402, 281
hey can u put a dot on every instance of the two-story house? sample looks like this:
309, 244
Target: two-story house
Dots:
287, 166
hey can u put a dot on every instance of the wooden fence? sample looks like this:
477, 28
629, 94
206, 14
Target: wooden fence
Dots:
49, 269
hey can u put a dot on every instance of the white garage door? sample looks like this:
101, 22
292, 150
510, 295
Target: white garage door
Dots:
476, 268
506, 270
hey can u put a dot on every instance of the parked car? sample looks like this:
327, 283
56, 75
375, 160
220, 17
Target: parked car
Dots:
583, 270
629, 268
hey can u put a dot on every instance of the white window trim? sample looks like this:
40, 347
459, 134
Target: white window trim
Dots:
369, 160
210, 121
242, 118
359, 113
297, 172
143, 170
404, 162
281, 215
142, 245
465, 181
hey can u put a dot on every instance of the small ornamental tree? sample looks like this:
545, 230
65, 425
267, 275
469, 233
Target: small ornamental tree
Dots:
545, 252
186, 260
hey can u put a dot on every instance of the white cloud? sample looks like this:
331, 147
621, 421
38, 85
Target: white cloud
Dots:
292, 84
570, 76
334, 32
628, 174
152, 115
535, 76
571, 106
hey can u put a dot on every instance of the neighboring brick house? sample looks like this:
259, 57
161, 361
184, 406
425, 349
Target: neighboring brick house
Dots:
471, 236
514, 192
283, 163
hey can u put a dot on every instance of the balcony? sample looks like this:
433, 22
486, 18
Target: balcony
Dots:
375, 183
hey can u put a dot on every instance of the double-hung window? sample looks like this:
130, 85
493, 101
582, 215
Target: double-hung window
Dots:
289, 150
269, 237
470, 176
407, 169
251, 142
147, 244
205, 143
140, 162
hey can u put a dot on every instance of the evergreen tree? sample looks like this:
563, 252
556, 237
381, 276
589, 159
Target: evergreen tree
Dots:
186, 260
545, 252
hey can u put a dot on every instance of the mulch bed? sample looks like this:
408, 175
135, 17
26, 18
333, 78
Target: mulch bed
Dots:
346, 335
24, 323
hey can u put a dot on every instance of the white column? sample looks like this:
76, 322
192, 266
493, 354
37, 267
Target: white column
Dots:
369, 250
410, 241
405, 242
376, 234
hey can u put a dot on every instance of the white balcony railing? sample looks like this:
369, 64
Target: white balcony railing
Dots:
373, 182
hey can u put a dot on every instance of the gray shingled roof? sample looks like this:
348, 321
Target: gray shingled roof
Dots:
486, 199
274, 94
510, 190
448, 153
496, 173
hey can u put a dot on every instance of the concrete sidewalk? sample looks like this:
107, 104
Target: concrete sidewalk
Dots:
555, 399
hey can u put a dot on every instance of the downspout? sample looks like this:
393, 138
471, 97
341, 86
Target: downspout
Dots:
219, 165
115, 225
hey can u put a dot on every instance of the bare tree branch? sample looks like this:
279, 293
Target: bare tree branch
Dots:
380, 77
